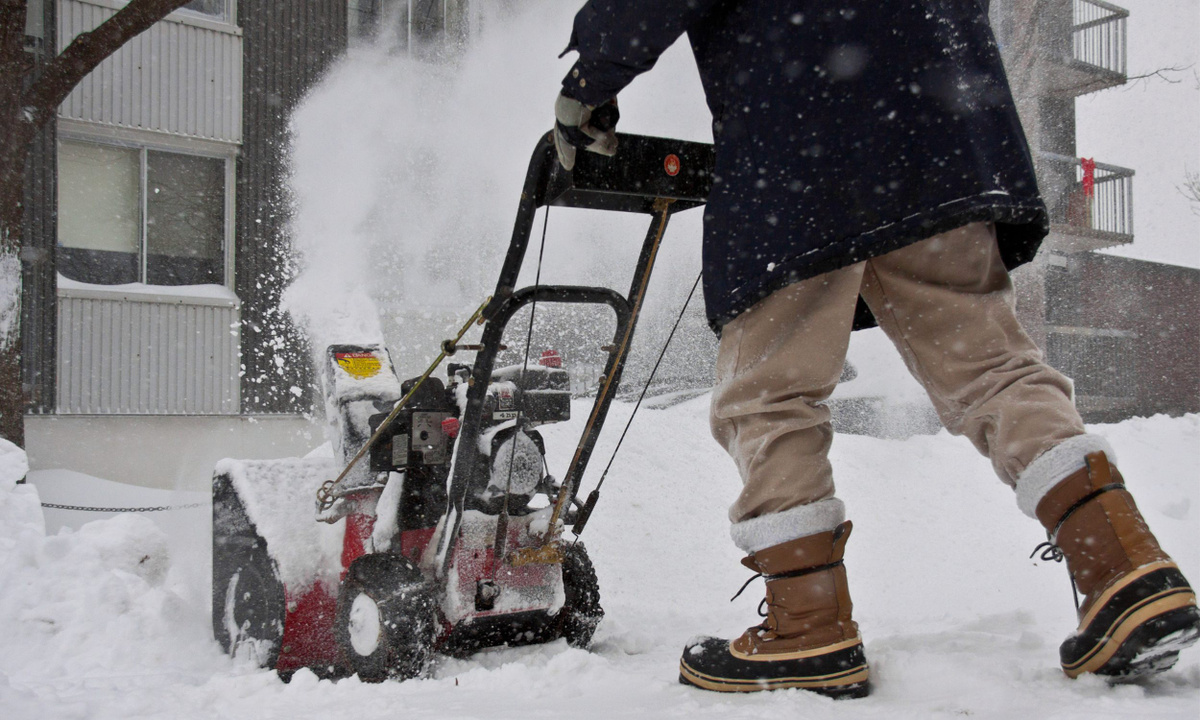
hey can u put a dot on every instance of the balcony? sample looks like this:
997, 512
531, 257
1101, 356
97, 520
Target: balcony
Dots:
1095, 57
1081, 218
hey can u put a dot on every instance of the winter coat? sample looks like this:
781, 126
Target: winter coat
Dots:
844, 129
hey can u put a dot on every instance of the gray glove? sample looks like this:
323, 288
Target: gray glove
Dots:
591, 127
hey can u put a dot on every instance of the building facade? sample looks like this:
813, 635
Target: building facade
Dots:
156, 232
157, 236
1113, 325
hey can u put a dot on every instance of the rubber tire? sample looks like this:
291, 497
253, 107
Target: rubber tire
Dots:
408, 615
246, 586
581, 612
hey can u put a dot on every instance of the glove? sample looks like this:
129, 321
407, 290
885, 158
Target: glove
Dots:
591, 127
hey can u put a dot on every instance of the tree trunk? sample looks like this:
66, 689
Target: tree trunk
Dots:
16, 132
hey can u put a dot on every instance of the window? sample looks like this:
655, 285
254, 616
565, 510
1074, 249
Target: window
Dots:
405, 23
213, 8
140, 215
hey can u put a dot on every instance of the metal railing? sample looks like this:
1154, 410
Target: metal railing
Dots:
1107, 208
1098, 35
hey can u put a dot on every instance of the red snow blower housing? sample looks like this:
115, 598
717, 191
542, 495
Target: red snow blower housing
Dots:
443, 531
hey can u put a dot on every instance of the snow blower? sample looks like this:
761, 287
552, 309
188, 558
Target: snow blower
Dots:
426, 537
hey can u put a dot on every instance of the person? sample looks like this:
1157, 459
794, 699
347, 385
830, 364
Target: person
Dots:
871, 168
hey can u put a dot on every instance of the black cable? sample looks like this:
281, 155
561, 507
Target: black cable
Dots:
649, 380
512, 455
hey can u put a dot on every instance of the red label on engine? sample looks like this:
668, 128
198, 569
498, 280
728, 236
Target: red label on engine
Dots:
671, 164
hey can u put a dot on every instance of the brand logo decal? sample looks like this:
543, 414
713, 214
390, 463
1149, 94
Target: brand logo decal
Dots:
671, 164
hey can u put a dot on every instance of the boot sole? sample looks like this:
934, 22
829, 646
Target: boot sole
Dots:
839, 672
1154, 646
1159, 619
859, 686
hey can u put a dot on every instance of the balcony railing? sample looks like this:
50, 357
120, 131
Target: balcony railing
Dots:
1098, 35
1103, 211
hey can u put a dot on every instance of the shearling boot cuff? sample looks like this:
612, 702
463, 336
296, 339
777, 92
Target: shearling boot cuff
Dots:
1053, 466
766, 530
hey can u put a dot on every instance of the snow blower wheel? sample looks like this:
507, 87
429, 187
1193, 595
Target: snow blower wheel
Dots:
581, 612
386, 621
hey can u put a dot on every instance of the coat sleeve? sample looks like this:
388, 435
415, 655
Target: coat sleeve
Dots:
618, 40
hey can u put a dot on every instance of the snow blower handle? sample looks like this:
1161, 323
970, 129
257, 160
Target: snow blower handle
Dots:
585, 512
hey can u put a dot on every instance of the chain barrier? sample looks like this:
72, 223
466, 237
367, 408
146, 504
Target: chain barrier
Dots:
159, 508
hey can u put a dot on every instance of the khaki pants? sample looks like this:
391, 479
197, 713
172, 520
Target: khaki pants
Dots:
947, 304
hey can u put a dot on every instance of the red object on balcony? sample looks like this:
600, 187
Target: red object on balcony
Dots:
550, 359
1089, 177
450, 427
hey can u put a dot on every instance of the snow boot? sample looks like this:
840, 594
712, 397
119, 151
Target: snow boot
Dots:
807, 640
1138, 611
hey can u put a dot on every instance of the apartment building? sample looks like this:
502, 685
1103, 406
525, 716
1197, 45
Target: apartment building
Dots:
152, 337
1109, 338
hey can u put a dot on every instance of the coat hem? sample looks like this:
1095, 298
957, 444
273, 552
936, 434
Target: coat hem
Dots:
1020, 228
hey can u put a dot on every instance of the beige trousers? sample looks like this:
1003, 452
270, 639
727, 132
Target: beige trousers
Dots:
947, 304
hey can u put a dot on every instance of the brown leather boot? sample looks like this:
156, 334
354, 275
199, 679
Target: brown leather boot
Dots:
1138, 611
808, 639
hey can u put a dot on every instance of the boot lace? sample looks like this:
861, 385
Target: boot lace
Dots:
1051, 552
781, 576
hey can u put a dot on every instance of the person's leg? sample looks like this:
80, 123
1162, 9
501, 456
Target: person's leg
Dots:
776, 365
947, 304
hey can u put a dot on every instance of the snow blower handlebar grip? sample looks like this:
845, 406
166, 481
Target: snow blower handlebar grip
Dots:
585, 512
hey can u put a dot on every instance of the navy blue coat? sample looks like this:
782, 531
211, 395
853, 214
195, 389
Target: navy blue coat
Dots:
844, 129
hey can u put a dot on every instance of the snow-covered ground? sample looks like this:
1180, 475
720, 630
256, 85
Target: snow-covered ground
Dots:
111, 620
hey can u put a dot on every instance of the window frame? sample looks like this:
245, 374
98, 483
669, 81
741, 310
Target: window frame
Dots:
227, 16
187, 17
144, 142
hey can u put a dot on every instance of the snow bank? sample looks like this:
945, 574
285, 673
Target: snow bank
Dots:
105, 605
13, 464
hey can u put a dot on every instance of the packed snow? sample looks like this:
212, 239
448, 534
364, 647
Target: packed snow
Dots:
112, 620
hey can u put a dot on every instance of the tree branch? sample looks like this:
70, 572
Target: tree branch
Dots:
1161, 74
89, 49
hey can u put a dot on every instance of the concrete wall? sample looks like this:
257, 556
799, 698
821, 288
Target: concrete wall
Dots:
168, 452
1149, 311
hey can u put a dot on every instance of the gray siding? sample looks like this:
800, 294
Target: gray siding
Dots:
146, 355
181, 76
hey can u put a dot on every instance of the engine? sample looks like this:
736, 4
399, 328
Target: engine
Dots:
419, 441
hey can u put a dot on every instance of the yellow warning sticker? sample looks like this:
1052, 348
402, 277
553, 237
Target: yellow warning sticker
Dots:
360, 365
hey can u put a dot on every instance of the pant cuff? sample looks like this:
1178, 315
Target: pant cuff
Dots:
1053, 466
765, 531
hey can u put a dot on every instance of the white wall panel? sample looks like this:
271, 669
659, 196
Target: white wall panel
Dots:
134, 356
181, 76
